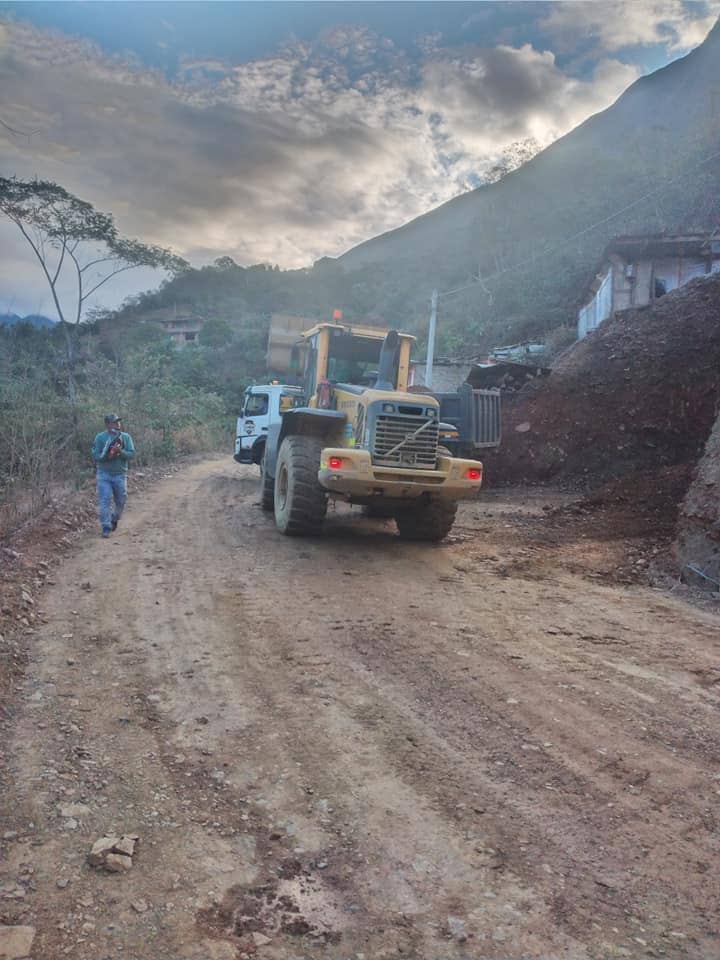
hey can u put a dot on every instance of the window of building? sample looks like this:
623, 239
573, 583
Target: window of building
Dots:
189, 337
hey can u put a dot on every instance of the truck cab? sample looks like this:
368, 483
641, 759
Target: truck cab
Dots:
263, 405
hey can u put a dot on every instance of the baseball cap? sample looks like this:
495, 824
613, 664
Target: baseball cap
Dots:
112, 418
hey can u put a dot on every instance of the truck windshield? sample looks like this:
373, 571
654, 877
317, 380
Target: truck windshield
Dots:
354, 359
256, 405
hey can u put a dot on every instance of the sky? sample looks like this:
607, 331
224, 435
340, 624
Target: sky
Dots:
285, 132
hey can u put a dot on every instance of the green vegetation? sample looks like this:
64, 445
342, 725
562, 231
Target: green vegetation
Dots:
165, 396
55, 384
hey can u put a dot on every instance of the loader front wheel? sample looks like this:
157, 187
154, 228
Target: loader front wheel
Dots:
431, 521
267, 488
300, 501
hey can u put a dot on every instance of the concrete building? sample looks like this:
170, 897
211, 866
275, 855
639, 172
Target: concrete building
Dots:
182, 330
285, 332
447, 375
637, 270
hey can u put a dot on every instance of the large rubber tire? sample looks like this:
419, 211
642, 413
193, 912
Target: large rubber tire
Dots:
432, 521
300, 501
267, 488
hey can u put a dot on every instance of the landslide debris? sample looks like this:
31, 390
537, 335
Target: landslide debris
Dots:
635, 400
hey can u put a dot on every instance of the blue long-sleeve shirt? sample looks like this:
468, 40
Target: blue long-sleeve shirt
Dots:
112, 464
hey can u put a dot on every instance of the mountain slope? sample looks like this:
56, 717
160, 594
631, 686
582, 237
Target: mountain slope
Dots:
35, 319
651, 141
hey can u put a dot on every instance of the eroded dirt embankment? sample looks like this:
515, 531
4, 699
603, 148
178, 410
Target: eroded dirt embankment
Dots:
354, 746
698, 541
637, 396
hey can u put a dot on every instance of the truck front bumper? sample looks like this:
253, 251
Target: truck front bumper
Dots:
245, 449
357, 477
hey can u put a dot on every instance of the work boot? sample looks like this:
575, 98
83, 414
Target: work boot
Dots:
106, 531
113, 524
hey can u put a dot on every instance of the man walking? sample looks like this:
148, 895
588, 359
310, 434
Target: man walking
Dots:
111, 451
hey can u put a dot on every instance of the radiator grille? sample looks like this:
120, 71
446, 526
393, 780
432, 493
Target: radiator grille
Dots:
486, 418
405, 441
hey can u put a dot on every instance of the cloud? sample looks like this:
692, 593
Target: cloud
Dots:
289, 158
613, 25
486, 99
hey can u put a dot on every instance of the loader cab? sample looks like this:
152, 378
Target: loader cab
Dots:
348, 355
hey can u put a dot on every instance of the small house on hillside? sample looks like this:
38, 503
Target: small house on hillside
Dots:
182, 330
637, 270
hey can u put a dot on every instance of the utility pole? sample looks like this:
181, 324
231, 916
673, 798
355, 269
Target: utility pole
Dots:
431, 340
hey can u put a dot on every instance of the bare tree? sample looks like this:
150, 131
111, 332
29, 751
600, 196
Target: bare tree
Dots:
66, 233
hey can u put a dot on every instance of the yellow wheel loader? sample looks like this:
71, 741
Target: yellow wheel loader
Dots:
362, 438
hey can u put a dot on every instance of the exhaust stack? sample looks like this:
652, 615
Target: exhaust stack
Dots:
388, 358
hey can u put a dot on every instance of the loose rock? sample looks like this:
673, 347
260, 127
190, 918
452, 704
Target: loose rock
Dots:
117, 863
456, 929
16, 942
113, 853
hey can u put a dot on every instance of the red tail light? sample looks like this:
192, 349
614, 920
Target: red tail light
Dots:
474, 474
335, 463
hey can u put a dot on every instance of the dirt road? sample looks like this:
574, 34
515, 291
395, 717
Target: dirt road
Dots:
355, 747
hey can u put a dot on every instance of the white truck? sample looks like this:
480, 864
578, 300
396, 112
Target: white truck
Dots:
263, 406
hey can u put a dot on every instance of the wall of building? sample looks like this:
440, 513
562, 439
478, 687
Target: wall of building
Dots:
599, 308
674, 272
446, 377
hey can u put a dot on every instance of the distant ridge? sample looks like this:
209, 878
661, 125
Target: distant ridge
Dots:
35, 319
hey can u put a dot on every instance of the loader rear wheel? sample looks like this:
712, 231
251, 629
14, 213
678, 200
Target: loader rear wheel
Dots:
300, 501
431, 521
267, 488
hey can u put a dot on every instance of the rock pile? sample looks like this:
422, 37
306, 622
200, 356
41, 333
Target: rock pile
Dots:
113, 854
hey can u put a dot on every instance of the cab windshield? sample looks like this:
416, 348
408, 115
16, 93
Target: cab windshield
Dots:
354, 360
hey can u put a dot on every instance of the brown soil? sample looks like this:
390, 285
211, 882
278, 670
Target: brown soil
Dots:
699, 527
638, 395
358, 747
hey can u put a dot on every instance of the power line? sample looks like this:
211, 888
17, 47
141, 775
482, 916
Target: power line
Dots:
581, 233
